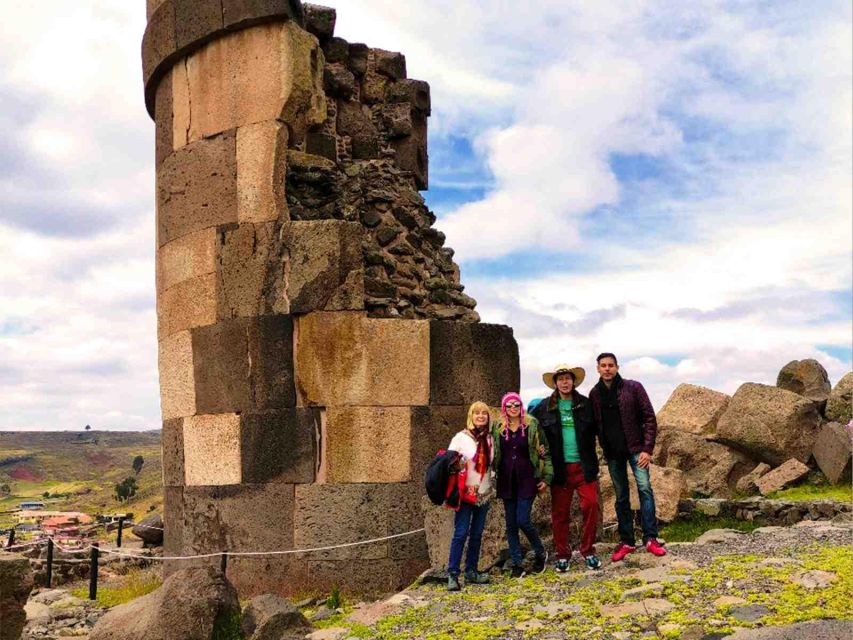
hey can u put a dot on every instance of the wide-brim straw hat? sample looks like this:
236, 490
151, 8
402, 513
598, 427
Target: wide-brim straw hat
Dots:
578, 373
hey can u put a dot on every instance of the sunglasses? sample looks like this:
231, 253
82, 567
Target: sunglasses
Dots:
513, 405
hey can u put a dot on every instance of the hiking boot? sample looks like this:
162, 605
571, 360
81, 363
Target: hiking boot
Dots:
562, 565
517, 572
539, 563
475, 577
453, 583
621, 551
592, 562
655, 547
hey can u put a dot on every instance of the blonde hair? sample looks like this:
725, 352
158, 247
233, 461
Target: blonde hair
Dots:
478, 406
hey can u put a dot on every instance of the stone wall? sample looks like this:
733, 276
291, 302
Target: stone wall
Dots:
315, 345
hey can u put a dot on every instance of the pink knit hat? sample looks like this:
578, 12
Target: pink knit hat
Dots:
510, 397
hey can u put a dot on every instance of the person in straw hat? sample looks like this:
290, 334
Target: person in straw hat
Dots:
567, 421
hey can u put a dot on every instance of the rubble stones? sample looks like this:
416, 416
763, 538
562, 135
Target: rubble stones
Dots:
747, 483
839, 406
782, 476
150, 530
770, 424
807, 378
271, 617
832, 452
16, 582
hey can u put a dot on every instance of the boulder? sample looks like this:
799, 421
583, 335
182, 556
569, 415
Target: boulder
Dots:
839, 406
16, 582
770, 424
832, 451
150, 530
782, 476
807, 378
693, 409
747, 483
192, 604
271, 617
669, 486
711, 468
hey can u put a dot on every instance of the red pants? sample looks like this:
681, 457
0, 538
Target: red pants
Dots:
561, 510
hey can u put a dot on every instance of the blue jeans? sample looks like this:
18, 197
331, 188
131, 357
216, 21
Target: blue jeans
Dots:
648, 518
469, 519
517, 514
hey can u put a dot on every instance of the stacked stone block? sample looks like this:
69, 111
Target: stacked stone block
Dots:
315, 346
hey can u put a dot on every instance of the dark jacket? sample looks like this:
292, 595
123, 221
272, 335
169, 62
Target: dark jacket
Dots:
635, 410
548, 415
542, 466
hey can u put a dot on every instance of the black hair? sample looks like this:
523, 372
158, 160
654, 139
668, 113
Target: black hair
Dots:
560, 373
607, 354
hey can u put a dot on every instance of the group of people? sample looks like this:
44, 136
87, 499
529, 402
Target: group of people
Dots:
553, 444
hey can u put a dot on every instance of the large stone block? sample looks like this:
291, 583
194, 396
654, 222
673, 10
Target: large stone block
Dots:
177, 377
769, 423
370, 577
279, 446
194, 20
345, 359
173, 518
250, 274
261, 167
331, 514
325, 270
212, 449
163, 125
188, 257
159, 39
832, 452
197, 187
243, 12
172, 442
712, 469
669, 486
16, 583
244, 364
268, 72
471, 361
807, 378
151, 6
839, 407
693, 409
433, 428
245, 517
186, 305
367, 444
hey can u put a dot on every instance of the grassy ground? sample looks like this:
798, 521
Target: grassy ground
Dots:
79, 470
688, 529
121, 589
841, 493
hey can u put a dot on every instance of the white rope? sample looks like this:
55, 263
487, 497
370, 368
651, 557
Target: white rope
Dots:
24, 545
261, 553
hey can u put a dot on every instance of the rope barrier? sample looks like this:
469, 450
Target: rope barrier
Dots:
261, 553
24, 545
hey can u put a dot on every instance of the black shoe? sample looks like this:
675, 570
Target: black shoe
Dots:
539, 563
475, 577
453, 583
517, 572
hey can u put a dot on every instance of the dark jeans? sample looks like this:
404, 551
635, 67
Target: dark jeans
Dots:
517, 514
619, 475
471, 519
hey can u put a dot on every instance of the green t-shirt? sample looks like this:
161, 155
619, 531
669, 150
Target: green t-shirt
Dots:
570, 439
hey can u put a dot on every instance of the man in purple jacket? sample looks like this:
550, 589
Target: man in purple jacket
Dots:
626, 425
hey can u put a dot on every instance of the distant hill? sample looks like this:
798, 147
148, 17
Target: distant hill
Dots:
79, 469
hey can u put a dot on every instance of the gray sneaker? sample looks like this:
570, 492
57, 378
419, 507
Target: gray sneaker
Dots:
453, 583
475, 577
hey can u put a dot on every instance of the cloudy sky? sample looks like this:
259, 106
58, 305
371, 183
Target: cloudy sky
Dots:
669, 181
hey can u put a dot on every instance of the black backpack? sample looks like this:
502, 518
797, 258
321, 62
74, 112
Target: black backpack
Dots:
438, 476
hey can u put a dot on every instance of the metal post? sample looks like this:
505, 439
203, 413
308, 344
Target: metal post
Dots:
11, 538
223, 563
49, 562
120, 529
93, 573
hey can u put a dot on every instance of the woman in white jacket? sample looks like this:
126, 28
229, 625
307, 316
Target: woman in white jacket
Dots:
475, 445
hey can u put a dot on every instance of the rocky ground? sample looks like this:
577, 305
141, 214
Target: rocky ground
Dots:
778, 582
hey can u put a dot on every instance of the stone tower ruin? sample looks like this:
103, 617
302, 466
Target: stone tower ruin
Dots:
315, 344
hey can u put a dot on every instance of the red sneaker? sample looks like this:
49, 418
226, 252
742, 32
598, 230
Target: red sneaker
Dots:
621, 551
653, 546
